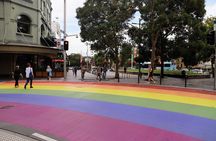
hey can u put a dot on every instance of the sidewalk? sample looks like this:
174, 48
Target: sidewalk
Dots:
205, 83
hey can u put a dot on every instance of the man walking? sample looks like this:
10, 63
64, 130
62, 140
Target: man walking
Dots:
17, 75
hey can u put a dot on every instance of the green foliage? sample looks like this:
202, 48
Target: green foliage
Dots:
171, 28
178, 23
74, 59
102, 24
207, 52
209, 23
99, 59
125, 54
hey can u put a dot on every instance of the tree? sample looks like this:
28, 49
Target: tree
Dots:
74, 59
102, 24
125, 54
208, 52
99, 59
173, 21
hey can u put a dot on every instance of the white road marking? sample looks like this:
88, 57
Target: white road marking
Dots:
43, 137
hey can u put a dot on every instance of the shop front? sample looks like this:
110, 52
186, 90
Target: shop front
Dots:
39, 57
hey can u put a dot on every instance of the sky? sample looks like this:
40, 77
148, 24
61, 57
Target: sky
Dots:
72, 27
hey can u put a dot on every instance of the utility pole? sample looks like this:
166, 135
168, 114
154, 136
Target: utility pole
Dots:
161, 59
215, 71
132, 57
139, 48
64, 51
215, 55
139, 53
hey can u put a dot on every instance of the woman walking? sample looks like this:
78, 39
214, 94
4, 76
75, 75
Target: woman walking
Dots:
49, 72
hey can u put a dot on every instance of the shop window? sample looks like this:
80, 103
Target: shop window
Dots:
23, 24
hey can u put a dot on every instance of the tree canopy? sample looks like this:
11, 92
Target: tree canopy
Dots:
176, 26
102, 24
179, 22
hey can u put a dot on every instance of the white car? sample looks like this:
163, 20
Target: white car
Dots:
200, 71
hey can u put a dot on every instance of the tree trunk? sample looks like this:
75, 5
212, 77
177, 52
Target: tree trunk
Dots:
154, 43
117, 70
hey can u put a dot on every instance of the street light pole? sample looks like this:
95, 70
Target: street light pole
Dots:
215, 70
139, 48
215, 56
64, 51
132, 57
139, 54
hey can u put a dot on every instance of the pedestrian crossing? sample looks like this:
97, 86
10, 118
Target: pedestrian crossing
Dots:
111, 112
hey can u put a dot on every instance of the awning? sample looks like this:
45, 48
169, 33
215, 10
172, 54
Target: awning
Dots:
58, 60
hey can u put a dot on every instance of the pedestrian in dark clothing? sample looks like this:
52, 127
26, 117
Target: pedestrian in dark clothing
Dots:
125, 70
75, 71
99, 71
83, 70
17, 75
150, 75
104, 72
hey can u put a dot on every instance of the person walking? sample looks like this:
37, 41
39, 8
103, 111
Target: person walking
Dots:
29, 75
49, 72
83, 70
150, 75
17, 75
104, 72
125, 71
75, 71
99, 71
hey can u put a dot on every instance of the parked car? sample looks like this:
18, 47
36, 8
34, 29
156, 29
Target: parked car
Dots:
200, 71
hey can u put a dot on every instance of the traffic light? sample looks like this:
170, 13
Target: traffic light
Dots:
211, 38
66, 45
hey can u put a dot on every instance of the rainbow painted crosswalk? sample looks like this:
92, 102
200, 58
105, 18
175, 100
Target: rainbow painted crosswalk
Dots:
111, 112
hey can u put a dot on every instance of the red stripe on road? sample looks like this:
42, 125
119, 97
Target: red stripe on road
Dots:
78, 126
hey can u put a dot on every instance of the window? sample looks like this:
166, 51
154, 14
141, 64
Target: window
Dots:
23, 24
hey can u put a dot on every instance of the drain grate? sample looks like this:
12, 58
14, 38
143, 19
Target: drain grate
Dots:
7, 107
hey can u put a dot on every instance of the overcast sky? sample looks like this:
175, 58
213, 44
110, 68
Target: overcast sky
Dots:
75, 45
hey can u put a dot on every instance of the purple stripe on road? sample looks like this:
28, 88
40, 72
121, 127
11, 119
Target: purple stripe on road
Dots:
185, 124
76, 126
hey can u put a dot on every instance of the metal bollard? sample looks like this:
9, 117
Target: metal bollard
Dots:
184, 74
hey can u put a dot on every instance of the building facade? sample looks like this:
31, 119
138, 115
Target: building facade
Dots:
56, 30
25, 34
